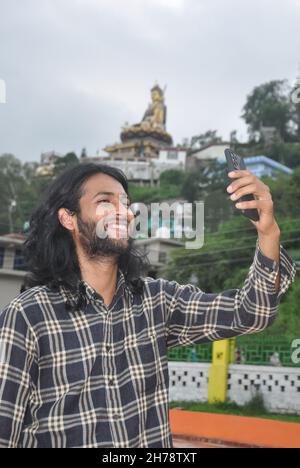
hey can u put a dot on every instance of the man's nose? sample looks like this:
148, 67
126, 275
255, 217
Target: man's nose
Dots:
125, 212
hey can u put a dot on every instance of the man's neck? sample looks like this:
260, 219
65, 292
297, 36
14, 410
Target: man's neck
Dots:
101, 274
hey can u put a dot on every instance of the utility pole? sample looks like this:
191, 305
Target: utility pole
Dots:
11, 206
12, 201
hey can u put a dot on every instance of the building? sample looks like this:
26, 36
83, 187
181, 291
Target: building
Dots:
47, 163
259, 165
172, 158
158, 252
148, 171
139, 172
264, 166
198, 159
12, 267
212, 151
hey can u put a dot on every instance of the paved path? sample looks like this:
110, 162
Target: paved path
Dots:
182, 442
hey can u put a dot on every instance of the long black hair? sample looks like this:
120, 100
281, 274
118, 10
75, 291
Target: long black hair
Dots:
49, 249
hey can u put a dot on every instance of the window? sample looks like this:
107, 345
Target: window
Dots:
19, 261
162, 258
2, 250
172, 155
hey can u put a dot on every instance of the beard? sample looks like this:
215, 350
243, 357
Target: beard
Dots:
95, 246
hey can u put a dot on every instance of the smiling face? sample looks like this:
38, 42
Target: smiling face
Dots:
102, 225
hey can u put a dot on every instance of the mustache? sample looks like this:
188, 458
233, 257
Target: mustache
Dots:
120, 221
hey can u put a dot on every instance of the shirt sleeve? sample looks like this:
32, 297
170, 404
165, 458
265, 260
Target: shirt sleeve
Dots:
195, 317
17, 357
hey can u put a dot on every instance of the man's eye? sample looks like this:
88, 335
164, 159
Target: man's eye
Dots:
126, 203
103, 201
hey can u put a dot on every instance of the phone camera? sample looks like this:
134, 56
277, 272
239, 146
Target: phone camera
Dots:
235, 162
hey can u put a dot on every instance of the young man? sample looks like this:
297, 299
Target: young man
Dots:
83, 350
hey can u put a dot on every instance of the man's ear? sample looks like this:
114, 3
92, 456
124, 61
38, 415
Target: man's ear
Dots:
66, 219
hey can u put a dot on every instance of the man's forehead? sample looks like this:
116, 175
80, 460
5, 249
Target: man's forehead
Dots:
103, 184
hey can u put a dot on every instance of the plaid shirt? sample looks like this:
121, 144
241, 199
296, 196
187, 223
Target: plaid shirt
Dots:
98, 376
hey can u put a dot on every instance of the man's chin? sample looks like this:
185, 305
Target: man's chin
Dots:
121, 243
113, 246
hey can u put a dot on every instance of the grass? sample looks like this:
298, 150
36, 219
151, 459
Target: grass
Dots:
253, 409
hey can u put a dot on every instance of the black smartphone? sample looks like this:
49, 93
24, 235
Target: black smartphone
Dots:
236, 163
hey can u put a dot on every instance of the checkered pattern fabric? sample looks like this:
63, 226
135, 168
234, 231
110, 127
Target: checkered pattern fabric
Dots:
98, 376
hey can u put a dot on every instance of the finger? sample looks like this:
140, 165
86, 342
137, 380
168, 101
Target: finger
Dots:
258, 204
249, 189
259, 192
236, 174
240, 183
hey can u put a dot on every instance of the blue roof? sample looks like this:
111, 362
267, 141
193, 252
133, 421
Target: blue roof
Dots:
269, 162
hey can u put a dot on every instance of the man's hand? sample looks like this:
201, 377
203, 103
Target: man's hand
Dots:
267, 227
246, 184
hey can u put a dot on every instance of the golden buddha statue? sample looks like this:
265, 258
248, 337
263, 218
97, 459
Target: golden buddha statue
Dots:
154, 120
155, 115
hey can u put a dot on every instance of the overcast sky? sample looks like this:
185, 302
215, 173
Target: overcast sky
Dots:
76, 70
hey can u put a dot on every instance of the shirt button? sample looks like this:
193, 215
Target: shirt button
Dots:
108, 348
111, 382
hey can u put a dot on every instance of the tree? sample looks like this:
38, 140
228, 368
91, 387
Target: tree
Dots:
285, 153
204, 139
209, 185
20, 190
172, 177
295, 98
224, 260
288, 319
286, 195
269, 105
11, 183
67, 161
191, 190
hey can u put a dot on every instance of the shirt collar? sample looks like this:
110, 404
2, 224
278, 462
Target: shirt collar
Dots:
86, 292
